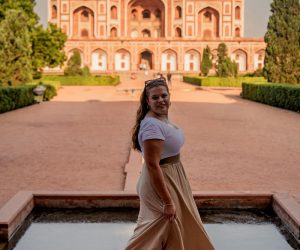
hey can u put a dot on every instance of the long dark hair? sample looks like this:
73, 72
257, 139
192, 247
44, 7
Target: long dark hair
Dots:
144, 108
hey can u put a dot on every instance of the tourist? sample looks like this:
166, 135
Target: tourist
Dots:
168, 216
169, 78
162, 76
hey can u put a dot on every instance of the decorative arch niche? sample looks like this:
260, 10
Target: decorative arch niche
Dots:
146, 60
208, 23
113, 32
54, 12
237, 32
150, 14
113, 12
237, 13
178, 12
83, 23
146, 33
259, 58
178, 32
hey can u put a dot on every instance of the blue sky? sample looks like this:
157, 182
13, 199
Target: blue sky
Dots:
257, 13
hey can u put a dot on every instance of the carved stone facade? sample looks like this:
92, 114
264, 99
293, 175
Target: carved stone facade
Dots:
156, 35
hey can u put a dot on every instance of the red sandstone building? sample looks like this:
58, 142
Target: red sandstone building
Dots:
156, 35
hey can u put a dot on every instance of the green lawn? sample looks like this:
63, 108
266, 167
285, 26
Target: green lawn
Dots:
80, 80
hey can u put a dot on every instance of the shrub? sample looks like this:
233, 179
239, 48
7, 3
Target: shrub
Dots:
86, 71
50, 92
256, 73
213, 81
99, 80
225, 66
16, 97
74, 65
279, 95
195, 80
206, 63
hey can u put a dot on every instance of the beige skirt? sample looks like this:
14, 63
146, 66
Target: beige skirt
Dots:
153, 230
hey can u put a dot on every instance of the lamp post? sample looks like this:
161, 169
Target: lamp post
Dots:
39, 91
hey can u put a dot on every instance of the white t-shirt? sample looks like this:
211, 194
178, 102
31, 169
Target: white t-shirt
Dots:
153, 128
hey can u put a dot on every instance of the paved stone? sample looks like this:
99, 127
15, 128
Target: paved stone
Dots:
81, 141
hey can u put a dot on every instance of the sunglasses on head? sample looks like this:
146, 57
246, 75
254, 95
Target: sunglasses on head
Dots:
155, 81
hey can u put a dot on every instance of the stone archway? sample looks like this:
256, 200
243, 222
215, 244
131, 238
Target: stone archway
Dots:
146, 61
169, 60
122, 60
150, 14
192, 60
99, 60
208, 23
259, 58
240, 57
83, 22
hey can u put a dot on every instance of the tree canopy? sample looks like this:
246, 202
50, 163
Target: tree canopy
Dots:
46, 45
74, 65
282, 59
206, 63
225, 66
15, 49
27, 6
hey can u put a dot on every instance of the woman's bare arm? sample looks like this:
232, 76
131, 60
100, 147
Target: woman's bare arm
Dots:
152, 152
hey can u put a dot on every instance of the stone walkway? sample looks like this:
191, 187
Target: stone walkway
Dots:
81, 141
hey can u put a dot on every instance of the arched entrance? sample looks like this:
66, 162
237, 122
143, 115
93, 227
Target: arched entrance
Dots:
259, 58
146, 62
192, 61
240, 57
122, 60
169, 60
99, 60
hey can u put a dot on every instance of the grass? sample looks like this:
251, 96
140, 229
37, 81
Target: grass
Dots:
213, 81
80, 80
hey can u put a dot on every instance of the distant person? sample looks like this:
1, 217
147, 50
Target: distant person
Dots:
169, 78
162, 76
168, 217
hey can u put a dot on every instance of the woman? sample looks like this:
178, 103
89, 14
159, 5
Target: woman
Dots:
168, 216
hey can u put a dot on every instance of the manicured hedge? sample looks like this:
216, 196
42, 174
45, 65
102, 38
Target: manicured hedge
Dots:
101, 80
15, 97
12, 98
279, 95
195, 80
212, 81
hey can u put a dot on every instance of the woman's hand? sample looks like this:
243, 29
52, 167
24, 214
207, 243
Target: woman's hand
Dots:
169, 211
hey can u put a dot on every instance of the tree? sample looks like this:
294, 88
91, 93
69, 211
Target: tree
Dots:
25, 5
47, 48
225, 66
206, 63
15, 49
47, 44
282, 59
74, 65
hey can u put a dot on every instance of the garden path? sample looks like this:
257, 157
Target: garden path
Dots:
81, 141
